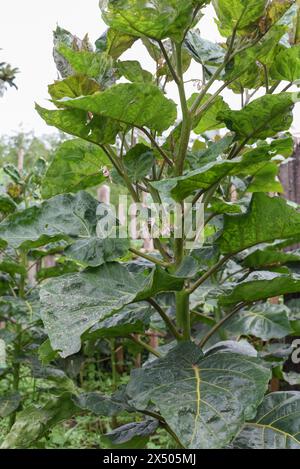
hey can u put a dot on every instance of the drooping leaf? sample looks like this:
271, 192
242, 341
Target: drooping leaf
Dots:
239, 14
262, 118
73, 304
157, 20
73, 87
269, 257
97, 129
209, 119
213, 152
276, 426
208, 174
63, 268
7, 204
77, 165
265, 321
114, 43
260, 286
130, 103
62, 36
133, 71
202, 50
73, 218
130, 436
266, 180
94, 251
92, 64
60, 217
287, 64
34, 422
245, 68
53, 375
12, 268
46, 353
132, 319
267, 219
204, 399
8, 404
138, 161
103, 405
12, 172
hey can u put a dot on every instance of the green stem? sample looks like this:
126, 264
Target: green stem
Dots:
169, 63
155, 145
166, 319
145, 345
149, 258
117, 164
183, 314
209, 273
186, 116
206, 88
221, 324
23, 259
114, 373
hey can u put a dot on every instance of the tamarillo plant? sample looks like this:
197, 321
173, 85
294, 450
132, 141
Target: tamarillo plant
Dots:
208, 382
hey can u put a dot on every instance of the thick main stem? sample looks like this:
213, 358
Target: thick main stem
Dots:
182, 298
186, 116
183, 314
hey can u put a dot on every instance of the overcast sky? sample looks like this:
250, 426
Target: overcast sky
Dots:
26, 41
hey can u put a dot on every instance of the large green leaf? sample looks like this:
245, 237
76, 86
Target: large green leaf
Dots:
269, 257
262, 118
101, 404
245, 70
92, 64
158, 20
34, 422
94, 251
73, 87
73, 304
73, 218
267, 219
8, 404
215, 150
266, 180
77, 165
204, 399
260, 286
61, 217
276, 426
209, 174
12, 268
209, 119
265, 321
96, 129
131, 319
114, 43
287, 64
238, 14
133, 71
203, 51
7, 204
130, 436
139, 161
139, 104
